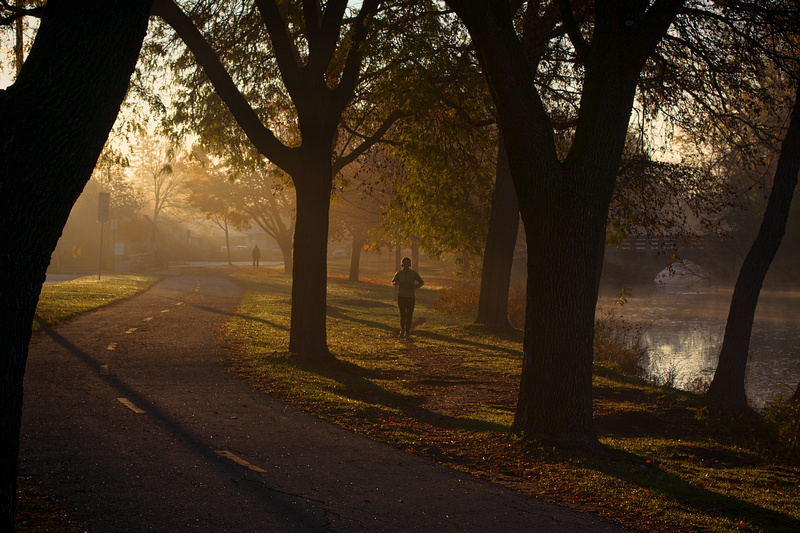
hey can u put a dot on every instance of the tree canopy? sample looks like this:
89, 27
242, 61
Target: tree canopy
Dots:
307, 67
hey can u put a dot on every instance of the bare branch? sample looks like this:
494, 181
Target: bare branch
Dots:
18, 13
285, 53
352, 66
261, 137
370, 141
573, 30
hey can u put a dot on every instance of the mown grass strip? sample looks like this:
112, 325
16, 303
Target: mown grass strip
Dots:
60, 301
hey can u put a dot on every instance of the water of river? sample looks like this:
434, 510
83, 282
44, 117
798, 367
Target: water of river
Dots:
684, 330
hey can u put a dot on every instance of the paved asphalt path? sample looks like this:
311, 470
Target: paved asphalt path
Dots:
133, 419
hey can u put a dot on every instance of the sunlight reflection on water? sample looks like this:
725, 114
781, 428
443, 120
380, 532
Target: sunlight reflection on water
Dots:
684, 332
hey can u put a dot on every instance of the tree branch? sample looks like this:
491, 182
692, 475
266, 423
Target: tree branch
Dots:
311, 14
465, 116
261, 137
329, 34
656, 22
18, 13
368, 142
573, 30
285, 53
352, 67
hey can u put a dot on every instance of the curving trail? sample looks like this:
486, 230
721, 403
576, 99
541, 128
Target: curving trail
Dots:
132, 418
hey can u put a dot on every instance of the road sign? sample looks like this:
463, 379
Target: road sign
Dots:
76, 252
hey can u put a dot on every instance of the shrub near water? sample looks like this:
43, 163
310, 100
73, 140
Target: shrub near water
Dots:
785, 417
458, 299
463, 299
616, 343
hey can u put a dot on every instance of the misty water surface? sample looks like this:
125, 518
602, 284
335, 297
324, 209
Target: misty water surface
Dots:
684, 331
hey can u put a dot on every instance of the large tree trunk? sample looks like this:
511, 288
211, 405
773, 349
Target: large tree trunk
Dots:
54, 121
288, 254
307, 334
499, 254
564, 204
564, 265
727, 387
359, 240
319, 109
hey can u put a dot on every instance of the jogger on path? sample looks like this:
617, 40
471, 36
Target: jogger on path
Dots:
406, 280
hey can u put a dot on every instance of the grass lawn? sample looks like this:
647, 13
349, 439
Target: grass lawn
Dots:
665, 463
60, 301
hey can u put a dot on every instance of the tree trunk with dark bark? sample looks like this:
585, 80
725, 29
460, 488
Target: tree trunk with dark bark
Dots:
319, 102
307, 333
564, 265
563, 204
54, 121
227, 239
288, 254
498, 257
727, 387
359, 240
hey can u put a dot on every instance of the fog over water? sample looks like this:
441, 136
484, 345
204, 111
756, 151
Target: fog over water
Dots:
684, 329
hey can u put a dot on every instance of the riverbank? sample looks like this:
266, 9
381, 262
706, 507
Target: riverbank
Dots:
684, 330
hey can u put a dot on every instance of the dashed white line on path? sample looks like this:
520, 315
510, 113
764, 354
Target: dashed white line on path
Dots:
127, 403
240, 461
148, 319
131, 330
165, 310
112, 346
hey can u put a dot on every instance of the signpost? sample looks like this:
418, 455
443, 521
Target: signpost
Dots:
103, 201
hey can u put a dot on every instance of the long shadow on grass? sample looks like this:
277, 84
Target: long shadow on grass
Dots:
335, 312
354, 384
453, 340
648, 475
242, 316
